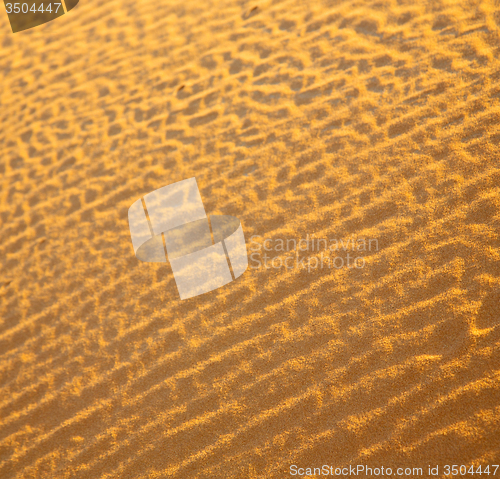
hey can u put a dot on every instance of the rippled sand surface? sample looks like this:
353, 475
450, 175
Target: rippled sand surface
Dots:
333, 119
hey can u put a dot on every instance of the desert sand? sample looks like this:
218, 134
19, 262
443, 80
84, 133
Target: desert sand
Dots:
333, 119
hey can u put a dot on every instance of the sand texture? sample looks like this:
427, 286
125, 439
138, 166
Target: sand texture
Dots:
338, 119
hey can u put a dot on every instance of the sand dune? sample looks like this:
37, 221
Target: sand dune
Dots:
334, 119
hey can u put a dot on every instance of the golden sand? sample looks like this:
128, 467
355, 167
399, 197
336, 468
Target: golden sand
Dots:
334, 119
